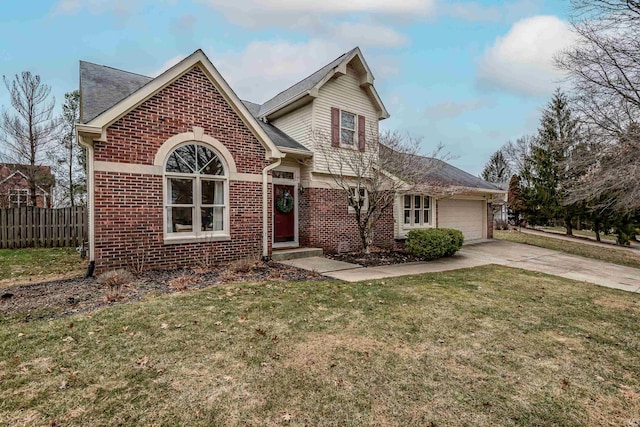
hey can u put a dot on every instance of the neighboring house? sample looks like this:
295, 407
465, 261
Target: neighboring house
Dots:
15, 188
178, 166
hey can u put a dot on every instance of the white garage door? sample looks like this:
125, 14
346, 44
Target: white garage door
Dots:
464, 215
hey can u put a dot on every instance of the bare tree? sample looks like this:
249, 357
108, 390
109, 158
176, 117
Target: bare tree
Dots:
29, 129
604, 68
516, 153
68, 156
372, 178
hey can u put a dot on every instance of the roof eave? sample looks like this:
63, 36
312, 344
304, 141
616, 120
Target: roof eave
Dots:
134, 100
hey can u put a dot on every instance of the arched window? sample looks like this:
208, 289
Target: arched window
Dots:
196, 199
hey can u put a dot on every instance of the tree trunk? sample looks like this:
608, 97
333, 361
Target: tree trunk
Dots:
596, 229
568, 226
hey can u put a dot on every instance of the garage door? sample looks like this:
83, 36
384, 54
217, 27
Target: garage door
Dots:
464, 215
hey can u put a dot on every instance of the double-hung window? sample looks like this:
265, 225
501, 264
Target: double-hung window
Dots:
417, 210
18, 197
196, 199
359, 197
347, 128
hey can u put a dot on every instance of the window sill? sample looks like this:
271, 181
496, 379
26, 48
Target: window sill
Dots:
176, 240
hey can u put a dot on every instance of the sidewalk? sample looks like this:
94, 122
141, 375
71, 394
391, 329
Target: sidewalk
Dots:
499, 252
580, 239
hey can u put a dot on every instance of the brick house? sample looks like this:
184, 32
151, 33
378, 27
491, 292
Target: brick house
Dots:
179, 166
15, 190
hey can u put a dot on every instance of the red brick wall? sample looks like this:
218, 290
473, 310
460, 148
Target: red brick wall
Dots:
489, 221
129, 207
325, 222
189, 101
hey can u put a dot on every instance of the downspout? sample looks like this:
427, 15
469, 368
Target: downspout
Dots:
90, 203
265, 207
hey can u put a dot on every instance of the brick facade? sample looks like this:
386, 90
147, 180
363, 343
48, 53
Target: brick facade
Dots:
129, 206
325, 222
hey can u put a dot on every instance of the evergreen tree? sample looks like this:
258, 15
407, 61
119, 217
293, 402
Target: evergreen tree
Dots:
497, 170
515, 198
546, 169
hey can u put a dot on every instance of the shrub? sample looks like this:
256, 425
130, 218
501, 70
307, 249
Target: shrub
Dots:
115, 280
457, 239
428, 244
501, 224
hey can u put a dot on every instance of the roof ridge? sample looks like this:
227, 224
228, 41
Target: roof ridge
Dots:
305, 78
117, 69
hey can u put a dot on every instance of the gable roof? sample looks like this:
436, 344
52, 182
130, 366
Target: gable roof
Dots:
98, 124
43, 177
302, 86
102, 87
315, 81
280, 138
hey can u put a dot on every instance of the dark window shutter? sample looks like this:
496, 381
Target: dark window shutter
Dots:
335, 127
362, 138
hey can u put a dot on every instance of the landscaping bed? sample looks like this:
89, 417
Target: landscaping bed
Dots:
69, 296
375, 258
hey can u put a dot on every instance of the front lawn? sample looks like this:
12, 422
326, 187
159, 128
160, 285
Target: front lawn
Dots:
485, 346
614, 255
22, 264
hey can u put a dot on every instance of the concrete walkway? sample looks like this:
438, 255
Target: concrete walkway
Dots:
495, 252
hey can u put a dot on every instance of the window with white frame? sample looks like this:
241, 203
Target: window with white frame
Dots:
360, 197
417, 210
196, 199
18, 197
347, 128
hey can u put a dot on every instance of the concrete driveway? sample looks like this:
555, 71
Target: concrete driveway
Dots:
493, 252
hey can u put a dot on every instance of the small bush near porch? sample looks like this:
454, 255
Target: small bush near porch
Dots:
484, 346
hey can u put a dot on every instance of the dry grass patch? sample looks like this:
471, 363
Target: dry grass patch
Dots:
484, 346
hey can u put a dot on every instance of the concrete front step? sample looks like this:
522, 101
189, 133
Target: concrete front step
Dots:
297, 253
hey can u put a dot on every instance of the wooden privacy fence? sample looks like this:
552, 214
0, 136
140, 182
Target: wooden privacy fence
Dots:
41, 227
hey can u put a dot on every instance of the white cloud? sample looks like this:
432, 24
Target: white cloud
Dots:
365, 34
454, 108
168, 64
265, 68
328, 6
477, 12
522, 60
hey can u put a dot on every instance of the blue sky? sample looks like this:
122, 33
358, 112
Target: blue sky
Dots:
468, 74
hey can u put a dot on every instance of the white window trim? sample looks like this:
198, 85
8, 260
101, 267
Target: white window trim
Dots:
196, 235
412, 225
18, 192
365, 204
354, 144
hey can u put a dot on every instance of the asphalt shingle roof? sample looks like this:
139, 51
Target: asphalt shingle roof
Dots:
442, 173
102, 87
278, 137
302, 86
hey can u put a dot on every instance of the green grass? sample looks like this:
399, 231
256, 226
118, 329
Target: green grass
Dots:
26, 263
614, 255
583, 233
479, 347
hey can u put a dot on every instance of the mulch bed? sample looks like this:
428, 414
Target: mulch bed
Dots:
375, 258
69, 296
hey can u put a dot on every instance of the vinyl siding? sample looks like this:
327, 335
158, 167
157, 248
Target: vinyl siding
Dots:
297, 124
345, 93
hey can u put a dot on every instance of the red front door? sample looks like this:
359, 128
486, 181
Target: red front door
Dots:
284, 208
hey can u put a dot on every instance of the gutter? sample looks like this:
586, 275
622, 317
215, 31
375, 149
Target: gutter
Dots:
265, 207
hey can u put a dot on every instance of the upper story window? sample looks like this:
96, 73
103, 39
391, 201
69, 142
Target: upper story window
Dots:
18, 197
347, 128
197, 192
417, 210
